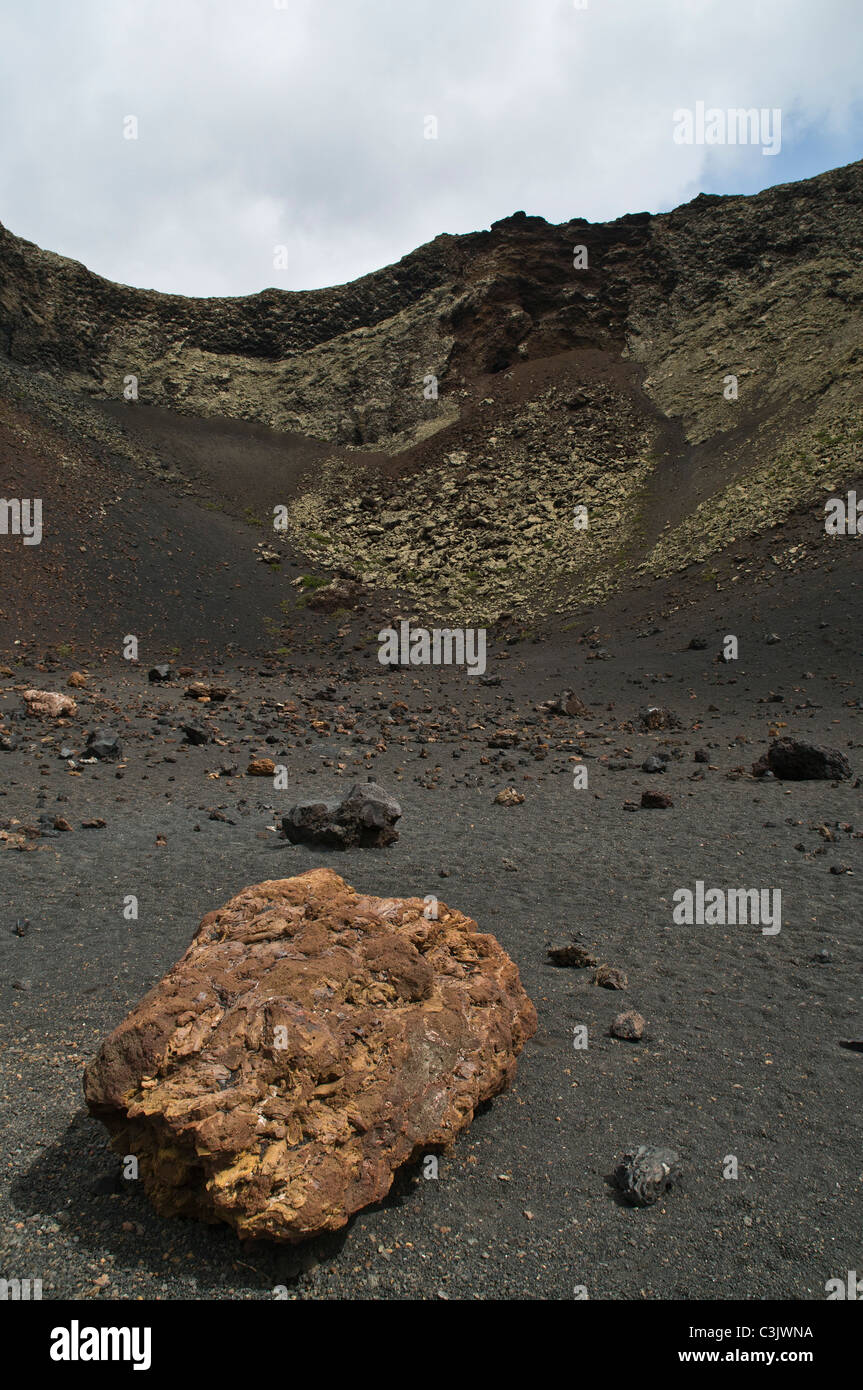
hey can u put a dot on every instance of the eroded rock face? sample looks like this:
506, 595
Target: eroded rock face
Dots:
311, 1041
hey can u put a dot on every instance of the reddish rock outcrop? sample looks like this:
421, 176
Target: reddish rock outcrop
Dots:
311, 1041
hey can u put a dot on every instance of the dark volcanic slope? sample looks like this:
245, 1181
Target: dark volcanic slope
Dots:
559, 384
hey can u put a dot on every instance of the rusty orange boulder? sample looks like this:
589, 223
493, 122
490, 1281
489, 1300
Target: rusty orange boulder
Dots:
311, 1041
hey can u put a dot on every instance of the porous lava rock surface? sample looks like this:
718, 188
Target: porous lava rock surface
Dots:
311, 1041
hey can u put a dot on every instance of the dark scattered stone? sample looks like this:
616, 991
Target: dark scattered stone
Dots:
574, 955
8, 743
655, 801
504, 738
646, 1174
104, 745
701, 755
366, 817
797, 761
195, 733
199, 690
609, 977
658, 717
698, 644
160, 673
628, 1026
565, 703
653, 764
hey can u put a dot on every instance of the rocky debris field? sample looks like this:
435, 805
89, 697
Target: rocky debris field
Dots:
125, 822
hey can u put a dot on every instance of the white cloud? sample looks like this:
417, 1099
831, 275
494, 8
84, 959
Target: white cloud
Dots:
304, 126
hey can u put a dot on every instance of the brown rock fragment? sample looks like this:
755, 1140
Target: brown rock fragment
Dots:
311, 1041
509, 797
658, 717
49, 703
573, 955
656, 801
629, 1026
609, 977
261, 767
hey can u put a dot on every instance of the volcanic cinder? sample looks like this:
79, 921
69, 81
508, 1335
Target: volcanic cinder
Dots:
310, 1042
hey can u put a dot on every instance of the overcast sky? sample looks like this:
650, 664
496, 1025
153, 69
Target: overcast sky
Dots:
302, 123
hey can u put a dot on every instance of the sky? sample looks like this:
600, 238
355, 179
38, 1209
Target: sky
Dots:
218, 147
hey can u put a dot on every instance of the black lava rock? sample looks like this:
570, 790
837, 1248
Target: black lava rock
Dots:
366, 817
642, 1177
653, 764
656, 801
195, 733
104, 745
575, 956
797, 761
